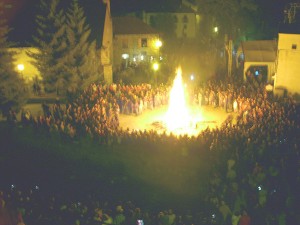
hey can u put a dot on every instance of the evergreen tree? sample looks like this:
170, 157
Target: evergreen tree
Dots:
51, 42
13, 91
82, 66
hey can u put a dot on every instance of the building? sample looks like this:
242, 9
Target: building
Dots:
107, 45
259, 58
134, 42
288, 61
186, 21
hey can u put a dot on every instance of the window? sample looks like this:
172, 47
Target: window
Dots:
185, 19
175, 19
184, 34
144, 43
294, 46
124, 43
152, 21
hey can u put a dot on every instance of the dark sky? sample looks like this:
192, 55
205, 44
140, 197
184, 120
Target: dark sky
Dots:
21, 16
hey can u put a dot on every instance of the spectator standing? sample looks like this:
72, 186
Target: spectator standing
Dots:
119, 219
225, 211
172, 217
107, 219
163, 218
5, 216
235, 218
245, 219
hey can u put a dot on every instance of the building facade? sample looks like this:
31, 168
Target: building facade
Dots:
186, 21
288, 63
134, 42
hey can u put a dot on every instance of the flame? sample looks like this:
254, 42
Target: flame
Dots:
177, 117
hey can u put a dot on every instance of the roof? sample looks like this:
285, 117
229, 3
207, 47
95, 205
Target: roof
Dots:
131, 25
179, 9
260, 51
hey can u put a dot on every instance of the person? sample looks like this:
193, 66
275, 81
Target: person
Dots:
5, 216
245, 219
119, 219
172, 217
163, 218
98, 217
107, 219
225, 211
235, 218
20, 219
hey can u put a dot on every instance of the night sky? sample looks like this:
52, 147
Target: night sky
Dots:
22, 15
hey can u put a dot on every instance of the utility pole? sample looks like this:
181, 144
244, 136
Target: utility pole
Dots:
228, 47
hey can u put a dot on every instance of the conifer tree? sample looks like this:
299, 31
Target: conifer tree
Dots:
51, 43
13, 91
83, 63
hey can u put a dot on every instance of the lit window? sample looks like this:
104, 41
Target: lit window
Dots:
144, 42
125, 56
134, 58
185, 19
294, 46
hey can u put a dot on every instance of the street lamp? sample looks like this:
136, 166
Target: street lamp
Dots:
20, 68
216, 29
158, 43
155, 68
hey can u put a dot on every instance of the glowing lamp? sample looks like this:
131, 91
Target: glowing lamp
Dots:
158, 43
216, 29
155, 66
125, 56
20, 67
192, 77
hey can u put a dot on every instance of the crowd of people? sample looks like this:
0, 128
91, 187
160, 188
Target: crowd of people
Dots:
96, 111
34, 206
255, 155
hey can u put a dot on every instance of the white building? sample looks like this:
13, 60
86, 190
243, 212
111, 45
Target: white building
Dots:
288, 63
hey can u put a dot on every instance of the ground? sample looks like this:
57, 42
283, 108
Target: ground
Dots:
150, 119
